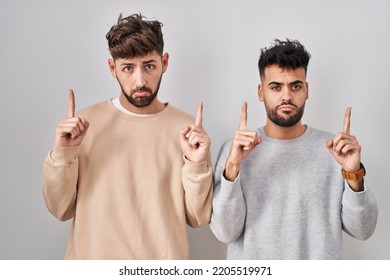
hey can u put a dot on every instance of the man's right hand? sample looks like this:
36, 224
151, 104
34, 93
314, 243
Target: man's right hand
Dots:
71, 130
243, 144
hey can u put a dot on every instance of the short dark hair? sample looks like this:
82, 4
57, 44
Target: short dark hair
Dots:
135, 36
289, 54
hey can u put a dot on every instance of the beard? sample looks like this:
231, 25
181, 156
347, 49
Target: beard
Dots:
141, 101
291, 120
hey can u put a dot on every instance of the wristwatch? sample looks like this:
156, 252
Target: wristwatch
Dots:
356, 175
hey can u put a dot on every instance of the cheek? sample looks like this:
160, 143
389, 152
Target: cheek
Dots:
155, 77
125, 84
303, 98
125, 80
269, 106
270, 100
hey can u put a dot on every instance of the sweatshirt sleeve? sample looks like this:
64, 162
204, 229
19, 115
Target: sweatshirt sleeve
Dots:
198, 191
359, 213
229, 208
60, 172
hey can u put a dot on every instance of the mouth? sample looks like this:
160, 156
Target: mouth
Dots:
286, 107
140, 94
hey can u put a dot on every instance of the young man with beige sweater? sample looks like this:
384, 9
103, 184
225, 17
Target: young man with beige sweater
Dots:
132, 172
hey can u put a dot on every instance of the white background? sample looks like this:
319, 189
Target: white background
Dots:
49, 46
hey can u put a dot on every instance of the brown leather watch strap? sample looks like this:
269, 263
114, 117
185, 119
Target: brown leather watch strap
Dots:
356, 175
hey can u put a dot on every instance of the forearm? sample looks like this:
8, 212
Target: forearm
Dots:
198, 190
229, 210
60, 182
356, 185
359, 213
231, 171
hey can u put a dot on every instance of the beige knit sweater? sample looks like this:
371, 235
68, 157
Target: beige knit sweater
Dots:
127, 187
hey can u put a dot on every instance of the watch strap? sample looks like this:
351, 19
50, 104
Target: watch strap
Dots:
355, 175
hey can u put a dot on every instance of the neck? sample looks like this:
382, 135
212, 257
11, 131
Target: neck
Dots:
284, 133
153, 108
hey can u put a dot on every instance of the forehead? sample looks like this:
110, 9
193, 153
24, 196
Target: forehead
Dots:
150, 57
276, 73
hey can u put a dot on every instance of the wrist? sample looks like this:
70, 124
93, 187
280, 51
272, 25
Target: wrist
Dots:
356, 185
354, 175
231, 171
195, 160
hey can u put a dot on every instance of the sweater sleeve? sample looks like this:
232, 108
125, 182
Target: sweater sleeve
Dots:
359, 213
60, 172
229, 208
198, 191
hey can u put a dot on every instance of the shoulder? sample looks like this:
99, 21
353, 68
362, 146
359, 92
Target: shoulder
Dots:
320, 134
179, 115
94, 109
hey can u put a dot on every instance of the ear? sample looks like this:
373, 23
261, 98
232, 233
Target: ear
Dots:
260, 92
165, 60
111, 65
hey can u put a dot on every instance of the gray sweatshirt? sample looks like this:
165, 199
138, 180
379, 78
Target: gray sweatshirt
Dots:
289, 201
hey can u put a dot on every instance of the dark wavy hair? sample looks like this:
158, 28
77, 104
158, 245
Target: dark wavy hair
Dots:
135, 36
287, 54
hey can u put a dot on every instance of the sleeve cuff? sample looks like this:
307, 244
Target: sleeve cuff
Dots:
64, 155
227, 182
194, 167
355, 200
230, 190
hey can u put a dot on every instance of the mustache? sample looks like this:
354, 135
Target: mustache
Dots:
288, 104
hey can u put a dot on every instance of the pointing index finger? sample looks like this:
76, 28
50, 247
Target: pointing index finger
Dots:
71, 104
347, 120
199, 115
244, 116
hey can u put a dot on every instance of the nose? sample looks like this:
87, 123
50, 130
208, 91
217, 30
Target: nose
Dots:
139, 78
287, 94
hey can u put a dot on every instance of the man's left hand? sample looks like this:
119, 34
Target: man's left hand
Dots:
195, 142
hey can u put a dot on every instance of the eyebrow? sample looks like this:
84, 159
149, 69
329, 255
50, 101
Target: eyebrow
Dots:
297, 82
143, 62
292, 83
126, 64
149, 61
274, 83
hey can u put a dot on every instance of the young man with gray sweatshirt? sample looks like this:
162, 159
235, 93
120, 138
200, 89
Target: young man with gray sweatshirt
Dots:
287, 190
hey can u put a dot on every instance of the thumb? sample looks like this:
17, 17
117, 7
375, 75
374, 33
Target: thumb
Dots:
183, 133
85, 123
329, 144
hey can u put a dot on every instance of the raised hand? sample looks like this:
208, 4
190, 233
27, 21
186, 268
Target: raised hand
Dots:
344, 147
195, 142
243, 144
71, 130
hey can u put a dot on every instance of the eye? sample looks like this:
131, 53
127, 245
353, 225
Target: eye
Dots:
149, 67
275, 87
296, 87
127, 69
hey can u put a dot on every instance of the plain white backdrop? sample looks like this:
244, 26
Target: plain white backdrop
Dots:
49, 46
